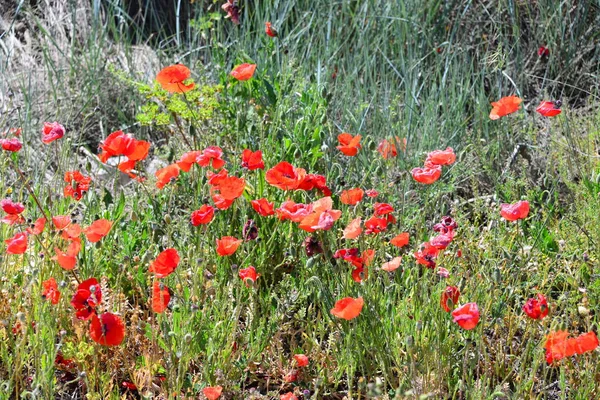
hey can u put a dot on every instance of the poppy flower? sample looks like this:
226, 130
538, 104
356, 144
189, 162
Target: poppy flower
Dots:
188, 159
543, 51
16, 244
51, 291
387, 148
371, 193
301, 360
426, 255
86, 298
232, 10
68, 259
353, 230
351, 255
348, 308
504, 106
392, 265
165, 263
97, 230
269, 30
375, 225
360, 274
172, 78
443, 272
252, 160
447, 224
220, 202
558, 346
52, 131
322, 216
288, 396
107, 329
243, 72
349, 144
312, 246
449, 298
13, 145
427, 175
160, 297
166, 175
400, 240
230, 188
71, 232
203, 215
212, 392
211, 156
352, 197
285, 176
382, 209
214, 179
466, 316
248, 275
227, 245
129, 385
314, 181
515, 211
250, 230
121, 144
548, 109
442, 157
12, 219
295, 212
442, 241
78, 184
37, 227
11, 207
536, 308
263, 207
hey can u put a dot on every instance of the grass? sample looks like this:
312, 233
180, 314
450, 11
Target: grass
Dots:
425, 71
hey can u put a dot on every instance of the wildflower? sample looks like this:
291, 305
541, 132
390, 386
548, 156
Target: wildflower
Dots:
353, 230
312, 246
515, 211
68, 259
442, 241
13, 145
349, 144
188, 159
269, 30
382, 209
322, 216
301, 360
212, 392
285, 176
160, 297
232, 10
229, 188
446, 225
263, 207
348, 308
558, 346
295, 212
227, 245
543, 51
97, 230
443, 272
375, 225
504, 106
248, 275
37, 227
173, 77
288, 396
549, 108
466, 316
51, 291
449, 298
252, 160
243, 72
314, 181
165, 263
387, 148
426, 255
372, 193
61, 221
536, 308
202, 216
392, 265
400, 240
442, 157
52, 131
11, 207
78, 184
166, 175
250, 230
211, 156
352, 197
427, 175
87, 297
107, 329
16, 244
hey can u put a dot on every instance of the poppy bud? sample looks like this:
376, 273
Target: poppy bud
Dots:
167, 219
312, 246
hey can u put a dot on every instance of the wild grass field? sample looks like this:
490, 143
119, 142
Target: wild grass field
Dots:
344, 216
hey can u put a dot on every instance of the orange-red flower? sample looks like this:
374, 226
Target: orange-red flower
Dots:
227, 245
203, 215
68, 259
107, 329
392, 265
549, 108
353, 230
466, 316
252, 160
173, 77
188, 159
121, 144
558, 346
426, 255
160, 297
212, 392
387, 148
78, 184
349, 144
288, 396
515, 211
211, 156
229, 188
441, 157
16, 244
52, 131
504, 106
51, 291
11, 207
352, 196
348, 308
269, 30
375, 225
232, 10
13, 145
536, 308
427, 175
37, 227
449, 298
86, 298
263, 207
285, 176
243, 72
382, 209
165, 263
97, 230
322, 216
400, 240
248, 275
301, 360
315, 181
166, 175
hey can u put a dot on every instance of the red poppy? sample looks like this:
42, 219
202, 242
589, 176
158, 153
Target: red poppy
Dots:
352, 196
372, 193
172, 78
446, 225
269, 30
52, 131
107, 329
230, 188
548, 109
68, 259
120, 144
349, 144
295, 212
248, 275
314, 181
400, 240
375, 225
263, 207
165, 263
220, 202
504, 106
442, 157
12, 145
16, 244
71, 232
382, 209
203, 215
232, 10
392, 265
558, 346
350, 255
427, 175
243, 72
160, 297
61, 221
426, 255
322, 216
227, 245
51, 291
86, 298
37, 227
449, 298
301, 360
387, 148
543, 51
188, 159
78, 184
466, 316
97, 230
348, 308
288, 396
515, 211
252, 160
211, 156
536, 308
129, 385
11, 207
214, 179
353, 230
212, 392
12, 219
166, 175
285, 176
442, 241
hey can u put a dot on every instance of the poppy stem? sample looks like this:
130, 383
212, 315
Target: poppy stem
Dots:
185, 139
30, 190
